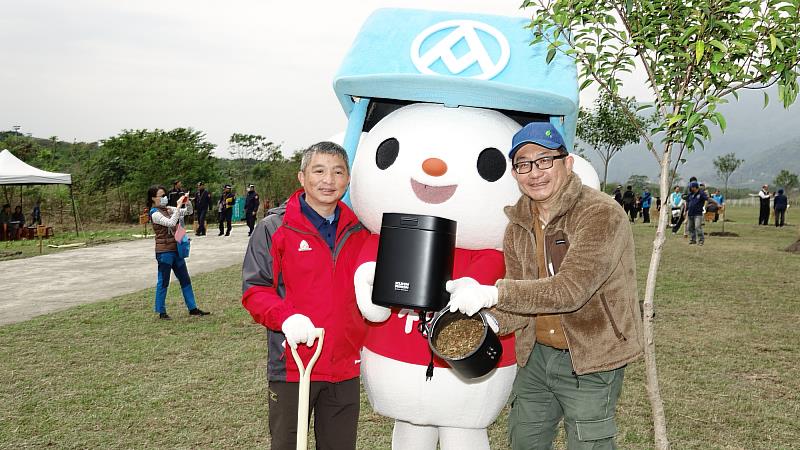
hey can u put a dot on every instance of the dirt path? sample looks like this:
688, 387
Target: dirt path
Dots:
43, 284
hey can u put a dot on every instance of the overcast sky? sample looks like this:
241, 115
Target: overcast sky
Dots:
87, 69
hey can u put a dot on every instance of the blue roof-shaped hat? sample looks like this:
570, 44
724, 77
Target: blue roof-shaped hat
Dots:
458, 59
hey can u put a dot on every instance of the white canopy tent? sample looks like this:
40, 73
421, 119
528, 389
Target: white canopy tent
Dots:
13, 171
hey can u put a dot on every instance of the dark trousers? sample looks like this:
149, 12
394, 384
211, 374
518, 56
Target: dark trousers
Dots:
335, 407
250, 217
225, 218
763, 213
645, 215
780, 214
200, 230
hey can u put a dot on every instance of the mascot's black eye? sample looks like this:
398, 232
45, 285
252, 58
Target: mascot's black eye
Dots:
387, 153
491, 164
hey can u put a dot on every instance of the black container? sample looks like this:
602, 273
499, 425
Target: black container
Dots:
478, 362
415, 261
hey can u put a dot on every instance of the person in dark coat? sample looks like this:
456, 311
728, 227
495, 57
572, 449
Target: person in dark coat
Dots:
251, 208
629, 203
225, 209
175, 193
202, 203
618, 194
780, 204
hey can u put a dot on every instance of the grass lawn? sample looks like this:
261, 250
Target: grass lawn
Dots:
109, 375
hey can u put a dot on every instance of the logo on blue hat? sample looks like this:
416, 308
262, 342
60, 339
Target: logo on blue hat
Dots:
454, 46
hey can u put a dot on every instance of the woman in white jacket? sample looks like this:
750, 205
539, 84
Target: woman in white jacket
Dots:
165, 220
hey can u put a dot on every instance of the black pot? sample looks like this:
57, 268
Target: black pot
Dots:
480, 360
415, 260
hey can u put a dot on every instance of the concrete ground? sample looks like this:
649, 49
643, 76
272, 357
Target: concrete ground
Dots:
48, 283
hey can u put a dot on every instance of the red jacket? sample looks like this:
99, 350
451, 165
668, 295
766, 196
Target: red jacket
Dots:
289, 269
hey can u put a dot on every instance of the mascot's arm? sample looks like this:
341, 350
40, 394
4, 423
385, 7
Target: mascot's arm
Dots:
363, 280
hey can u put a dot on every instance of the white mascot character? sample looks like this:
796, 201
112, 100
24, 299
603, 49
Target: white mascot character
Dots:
448, 162
433, 99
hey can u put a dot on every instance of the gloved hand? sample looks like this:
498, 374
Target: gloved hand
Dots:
469, 297
297, 329
363, 280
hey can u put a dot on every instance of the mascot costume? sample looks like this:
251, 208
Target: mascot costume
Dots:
433, 100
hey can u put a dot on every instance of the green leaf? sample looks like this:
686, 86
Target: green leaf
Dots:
719, 45
721, 120
586, 83
772, 42
699, 48
674, 119
550, 55
766, 99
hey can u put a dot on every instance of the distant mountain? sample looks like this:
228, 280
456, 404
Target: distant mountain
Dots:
768, 139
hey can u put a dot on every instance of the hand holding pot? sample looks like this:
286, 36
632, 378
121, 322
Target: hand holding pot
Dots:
469, 297
298, 329
363, 280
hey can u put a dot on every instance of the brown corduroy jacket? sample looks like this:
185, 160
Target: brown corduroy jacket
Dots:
594, 286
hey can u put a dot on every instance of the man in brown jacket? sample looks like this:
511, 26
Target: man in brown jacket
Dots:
570, 295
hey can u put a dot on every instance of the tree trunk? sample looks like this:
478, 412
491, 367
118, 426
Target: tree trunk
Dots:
651, 372
605, 175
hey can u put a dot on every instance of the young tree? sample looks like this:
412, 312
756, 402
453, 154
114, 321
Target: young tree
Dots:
694, 54
607, 128
787, 180
725, 165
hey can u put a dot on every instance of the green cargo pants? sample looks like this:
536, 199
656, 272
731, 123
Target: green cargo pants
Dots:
546, 390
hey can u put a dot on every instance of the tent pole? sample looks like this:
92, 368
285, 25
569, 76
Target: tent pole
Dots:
74, 213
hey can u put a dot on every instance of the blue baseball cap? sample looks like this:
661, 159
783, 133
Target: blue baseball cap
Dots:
540, 133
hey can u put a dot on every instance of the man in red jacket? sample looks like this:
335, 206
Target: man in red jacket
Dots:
298, 275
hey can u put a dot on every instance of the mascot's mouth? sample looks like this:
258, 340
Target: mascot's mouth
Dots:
433, 194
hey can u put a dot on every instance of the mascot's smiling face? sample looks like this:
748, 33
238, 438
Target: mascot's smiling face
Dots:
433, 160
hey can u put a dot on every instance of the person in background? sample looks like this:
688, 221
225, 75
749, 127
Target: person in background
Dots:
202, 203
5, 219
570, 295
677, 209
695, 203
780, 204
225, 208
251, 204
719, 199
165, 220
298, 275
647, 199
175, 193
763, 211
618, 194
17, 223
629, 203
36, 215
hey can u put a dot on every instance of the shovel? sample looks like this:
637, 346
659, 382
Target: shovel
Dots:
305, 386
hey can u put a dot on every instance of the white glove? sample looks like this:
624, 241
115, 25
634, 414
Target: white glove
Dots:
469, 297
363, 281
297, 329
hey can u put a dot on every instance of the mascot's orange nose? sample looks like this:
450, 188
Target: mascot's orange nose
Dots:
434, 167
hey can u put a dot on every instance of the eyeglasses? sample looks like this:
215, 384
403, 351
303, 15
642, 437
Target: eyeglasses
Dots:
544, 163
